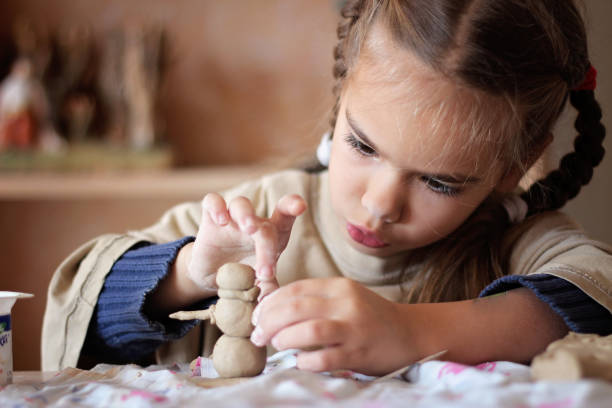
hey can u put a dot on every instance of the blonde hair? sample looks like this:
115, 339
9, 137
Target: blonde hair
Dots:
519, 76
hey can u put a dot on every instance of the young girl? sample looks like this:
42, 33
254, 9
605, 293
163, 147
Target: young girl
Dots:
394, 252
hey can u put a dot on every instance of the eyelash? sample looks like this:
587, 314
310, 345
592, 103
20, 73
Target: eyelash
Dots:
434, 185
361, 148
440, 188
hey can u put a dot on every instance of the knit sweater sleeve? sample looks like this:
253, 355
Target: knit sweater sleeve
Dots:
579, 312
120, 330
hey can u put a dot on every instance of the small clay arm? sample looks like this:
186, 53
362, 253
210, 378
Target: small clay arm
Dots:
194, 314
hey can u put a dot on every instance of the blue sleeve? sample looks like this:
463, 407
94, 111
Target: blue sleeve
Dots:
579, 311
120, 331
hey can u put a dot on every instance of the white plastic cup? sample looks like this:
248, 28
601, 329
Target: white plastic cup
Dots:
7, 300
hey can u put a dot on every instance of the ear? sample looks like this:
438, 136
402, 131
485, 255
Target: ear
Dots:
511, 179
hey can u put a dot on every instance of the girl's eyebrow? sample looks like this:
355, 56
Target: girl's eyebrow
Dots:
455, 179
447, 178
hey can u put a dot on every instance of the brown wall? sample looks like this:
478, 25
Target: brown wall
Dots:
245, 79
37, 234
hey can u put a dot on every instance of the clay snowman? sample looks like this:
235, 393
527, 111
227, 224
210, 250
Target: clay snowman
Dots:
233, 355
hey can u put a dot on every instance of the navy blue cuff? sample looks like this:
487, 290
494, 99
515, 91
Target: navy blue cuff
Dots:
119, 322
580, 313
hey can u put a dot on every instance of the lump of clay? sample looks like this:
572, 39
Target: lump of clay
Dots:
233, 317
249, 295
238, 357
235, 276
233, 355
574, 357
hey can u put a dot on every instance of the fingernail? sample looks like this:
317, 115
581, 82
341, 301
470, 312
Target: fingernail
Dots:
222, 219
255, 316
256, 337
265, 295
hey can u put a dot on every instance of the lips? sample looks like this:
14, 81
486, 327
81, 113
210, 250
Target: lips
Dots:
364, 237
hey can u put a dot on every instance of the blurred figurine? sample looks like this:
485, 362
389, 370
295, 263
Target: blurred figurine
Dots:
24, 111
111, 88
33, 45
22, 104
79, 110
72, 82
141, 77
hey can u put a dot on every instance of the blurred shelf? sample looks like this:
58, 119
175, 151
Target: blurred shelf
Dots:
165, 183
86, 156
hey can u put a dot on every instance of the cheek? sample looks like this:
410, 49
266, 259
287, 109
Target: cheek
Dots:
343, 187
346, 176
439, 216
442, 221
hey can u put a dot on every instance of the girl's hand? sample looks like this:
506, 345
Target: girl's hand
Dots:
347, 325
233, 233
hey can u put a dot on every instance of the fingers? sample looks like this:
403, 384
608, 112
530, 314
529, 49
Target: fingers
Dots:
263, 233
267, 251
303, 288
242, 213
310, 334
287, 312
326, 359
215, 206
240, 210
287, 208
269, 236
323, 287
277, 298
273, 235
266, 287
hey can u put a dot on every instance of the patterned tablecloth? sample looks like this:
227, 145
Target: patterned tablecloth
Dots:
432, 384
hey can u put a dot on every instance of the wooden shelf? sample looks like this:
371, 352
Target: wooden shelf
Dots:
138, 184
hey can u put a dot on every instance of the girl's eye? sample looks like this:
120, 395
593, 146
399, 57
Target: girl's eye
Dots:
358, 146
439, 187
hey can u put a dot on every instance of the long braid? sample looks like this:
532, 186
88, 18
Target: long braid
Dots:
351, 11
576, 168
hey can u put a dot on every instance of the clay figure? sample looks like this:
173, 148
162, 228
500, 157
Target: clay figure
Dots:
232, 316
235, 276
233, 355
238, 357
574, 357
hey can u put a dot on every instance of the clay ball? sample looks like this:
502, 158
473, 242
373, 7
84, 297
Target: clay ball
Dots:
233, 317
238, 357
235, 276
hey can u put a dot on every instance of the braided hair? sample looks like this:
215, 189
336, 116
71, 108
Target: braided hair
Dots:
351, 12
576, 168
537, 66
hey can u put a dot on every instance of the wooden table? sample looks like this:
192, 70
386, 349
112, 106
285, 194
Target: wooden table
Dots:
32, 377
38, 377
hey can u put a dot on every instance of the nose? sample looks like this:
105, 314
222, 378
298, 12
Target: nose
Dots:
384, 197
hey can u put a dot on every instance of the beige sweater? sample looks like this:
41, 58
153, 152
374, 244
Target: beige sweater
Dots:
553, 244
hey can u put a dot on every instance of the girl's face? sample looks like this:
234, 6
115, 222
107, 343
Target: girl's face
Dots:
398, 182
